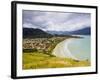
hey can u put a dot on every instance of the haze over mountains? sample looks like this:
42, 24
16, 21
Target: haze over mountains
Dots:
38, 33
84, 31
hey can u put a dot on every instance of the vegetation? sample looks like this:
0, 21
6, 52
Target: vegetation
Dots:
43, 45
37, 54
37, 60
35, 33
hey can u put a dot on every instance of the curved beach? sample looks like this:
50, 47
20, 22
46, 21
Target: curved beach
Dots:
61, 50
74, 48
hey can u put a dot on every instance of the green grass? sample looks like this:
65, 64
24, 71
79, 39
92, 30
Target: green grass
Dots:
36, 60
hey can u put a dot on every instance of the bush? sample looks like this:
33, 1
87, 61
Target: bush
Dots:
29, 50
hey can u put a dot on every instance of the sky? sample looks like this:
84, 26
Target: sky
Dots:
55, 21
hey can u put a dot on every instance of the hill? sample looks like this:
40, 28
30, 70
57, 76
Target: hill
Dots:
35, 33
84, 31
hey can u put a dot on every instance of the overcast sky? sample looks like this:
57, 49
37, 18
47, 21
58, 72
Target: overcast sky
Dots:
56, 21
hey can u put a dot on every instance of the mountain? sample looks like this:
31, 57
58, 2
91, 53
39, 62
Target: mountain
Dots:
56, 32
35, 33
84, 31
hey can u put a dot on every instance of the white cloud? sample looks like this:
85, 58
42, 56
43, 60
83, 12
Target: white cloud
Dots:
57, 21
29, 25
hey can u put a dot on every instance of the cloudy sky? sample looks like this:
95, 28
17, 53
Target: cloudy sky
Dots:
56, 21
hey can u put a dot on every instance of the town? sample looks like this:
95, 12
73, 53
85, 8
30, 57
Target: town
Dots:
44, 45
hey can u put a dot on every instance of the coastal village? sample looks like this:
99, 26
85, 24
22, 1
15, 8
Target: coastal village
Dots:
37, 53
45, 45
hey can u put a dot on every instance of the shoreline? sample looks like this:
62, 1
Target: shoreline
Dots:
67, 53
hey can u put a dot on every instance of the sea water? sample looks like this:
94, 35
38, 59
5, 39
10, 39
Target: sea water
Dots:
75, 48
81, 47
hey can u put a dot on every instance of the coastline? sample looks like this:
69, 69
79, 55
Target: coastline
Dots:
61, 50
39, 60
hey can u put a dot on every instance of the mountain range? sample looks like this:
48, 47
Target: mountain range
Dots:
84, 31
38, 33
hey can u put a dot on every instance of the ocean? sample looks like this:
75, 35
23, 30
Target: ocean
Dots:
75, 48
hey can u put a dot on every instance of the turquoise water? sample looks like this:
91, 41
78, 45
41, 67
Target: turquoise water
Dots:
75, 48
81, 48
